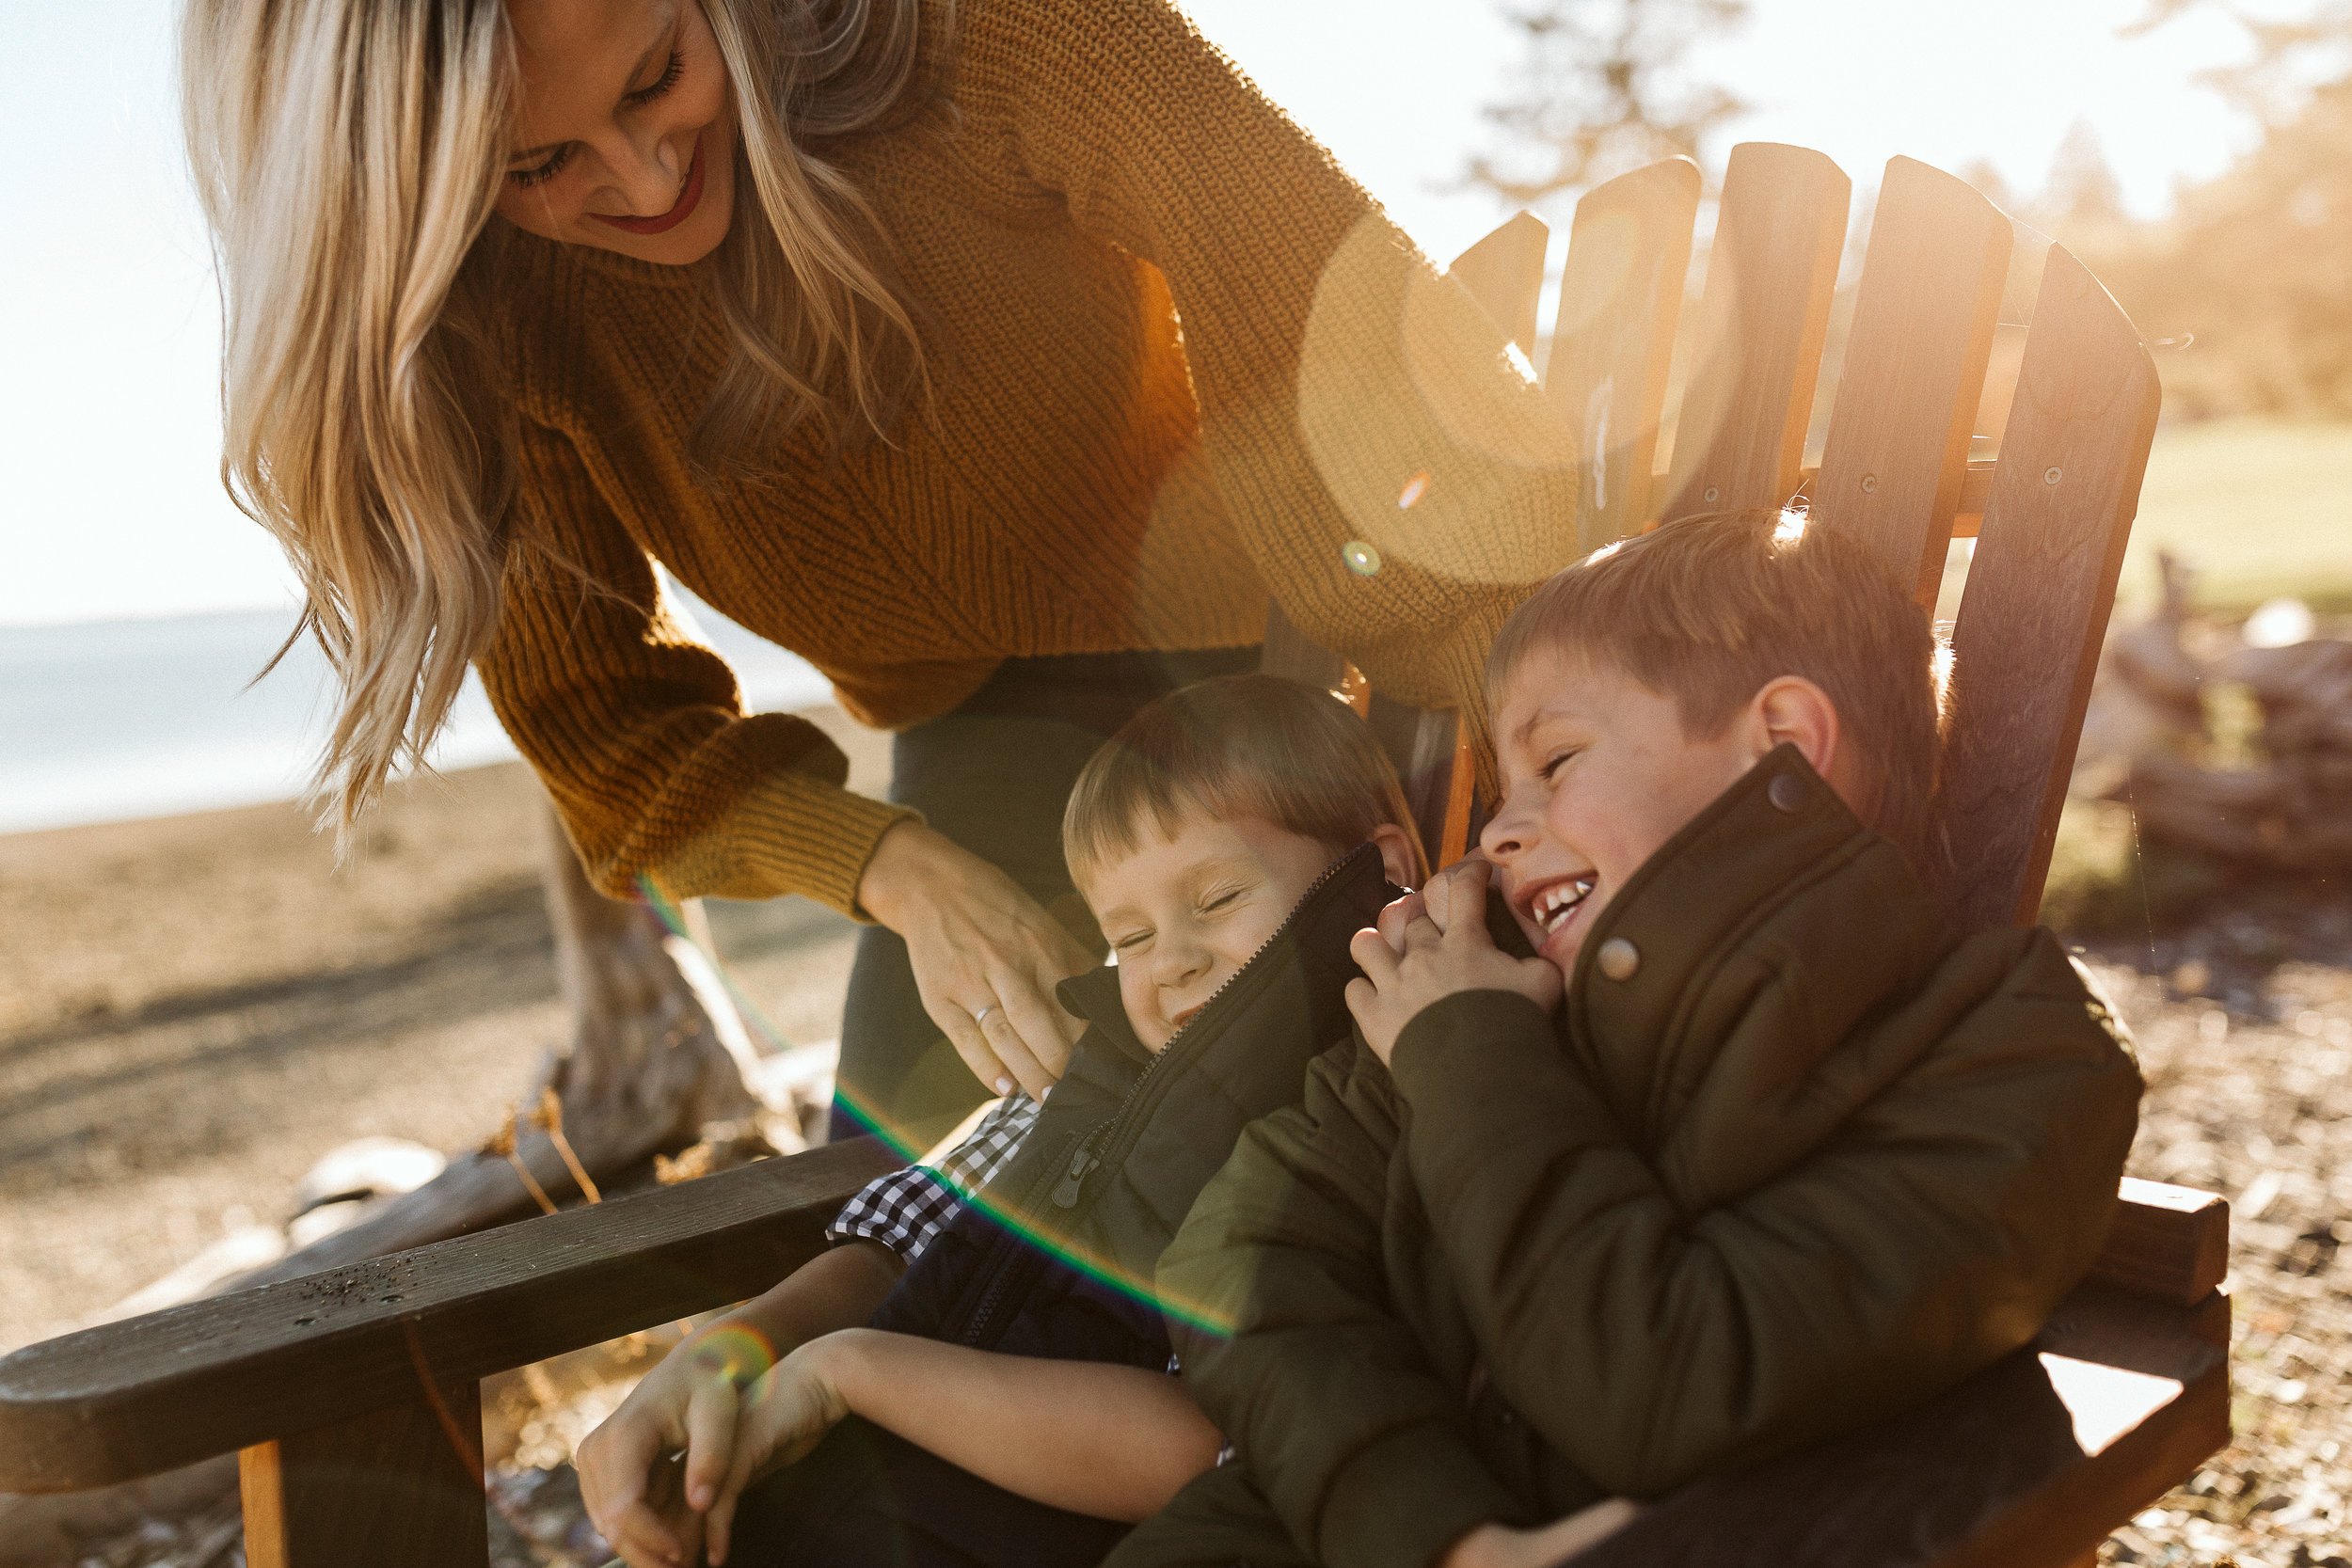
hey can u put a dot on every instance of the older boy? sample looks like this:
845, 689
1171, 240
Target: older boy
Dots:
1791, 1156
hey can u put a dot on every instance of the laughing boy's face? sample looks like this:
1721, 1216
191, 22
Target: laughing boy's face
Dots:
1186, 908
1598, 775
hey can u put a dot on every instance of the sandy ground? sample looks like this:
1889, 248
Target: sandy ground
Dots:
194, 1009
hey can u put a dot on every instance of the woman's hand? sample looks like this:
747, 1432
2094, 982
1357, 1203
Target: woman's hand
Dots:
646, 1513
986, 956
1500, 1547
784, 1415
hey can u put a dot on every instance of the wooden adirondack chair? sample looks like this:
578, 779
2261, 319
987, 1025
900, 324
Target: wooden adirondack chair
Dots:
351, 1396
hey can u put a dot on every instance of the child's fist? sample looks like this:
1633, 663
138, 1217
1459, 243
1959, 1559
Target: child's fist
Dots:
1407, 970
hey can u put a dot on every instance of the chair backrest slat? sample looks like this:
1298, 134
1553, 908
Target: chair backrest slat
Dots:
1293, 655
1504, 273
2040, 585
1897, 458
1613, 342
1763, 319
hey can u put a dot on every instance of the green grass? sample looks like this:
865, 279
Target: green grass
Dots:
2106, 881
2261, 507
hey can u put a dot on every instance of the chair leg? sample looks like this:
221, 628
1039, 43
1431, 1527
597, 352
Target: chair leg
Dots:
388, 1489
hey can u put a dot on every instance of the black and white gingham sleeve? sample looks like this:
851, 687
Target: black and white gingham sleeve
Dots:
904, 1210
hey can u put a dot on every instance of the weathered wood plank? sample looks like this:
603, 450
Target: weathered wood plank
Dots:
2027, 1464
392, 1488
1613, 341
1293, 655
2040, 588
135, 1398
2168, 1243
1763, 319
1424, 743
1504, 272
1897, 456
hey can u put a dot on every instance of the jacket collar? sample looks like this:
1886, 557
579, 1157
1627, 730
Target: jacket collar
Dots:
1762, 935
1094, 996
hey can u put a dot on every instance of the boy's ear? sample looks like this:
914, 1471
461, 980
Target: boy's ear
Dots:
1791, 709
1396, 854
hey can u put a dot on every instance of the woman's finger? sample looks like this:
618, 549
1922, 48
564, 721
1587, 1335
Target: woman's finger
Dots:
971, 1042
1027, 1033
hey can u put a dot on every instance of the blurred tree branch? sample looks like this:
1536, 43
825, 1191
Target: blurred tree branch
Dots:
1599, 91
2290, 51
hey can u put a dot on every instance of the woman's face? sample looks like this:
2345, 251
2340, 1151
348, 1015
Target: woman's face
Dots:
624, 130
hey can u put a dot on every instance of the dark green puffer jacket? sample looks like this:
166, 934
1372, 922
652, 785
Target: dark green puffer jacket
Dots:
1814, 1160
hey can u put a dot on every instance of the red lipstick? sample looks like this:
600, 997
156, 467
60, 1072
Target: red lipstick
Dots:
688, 199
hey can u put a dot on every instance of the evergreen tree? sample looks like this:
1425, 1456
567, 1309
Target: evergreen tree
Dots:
1600, 89
2083, 191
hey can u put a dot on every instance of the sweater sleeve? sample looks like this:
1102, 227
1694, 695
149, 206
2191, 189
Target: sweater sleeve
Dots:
1930, 1236
1350, 395
637, 730
1326, 1393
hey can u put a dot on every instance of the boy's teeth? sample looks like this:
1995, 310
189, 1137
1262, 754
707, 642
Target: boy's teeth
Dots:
1554, 904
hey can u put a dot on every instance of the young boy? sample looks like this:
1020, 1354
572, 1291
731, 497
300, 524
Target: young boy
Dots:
1013, 1408
1784, 1156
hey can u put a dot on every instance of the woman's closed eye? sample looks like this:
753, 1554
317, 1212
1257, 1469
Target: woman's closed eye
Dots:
548, 170
668, 79
539, 174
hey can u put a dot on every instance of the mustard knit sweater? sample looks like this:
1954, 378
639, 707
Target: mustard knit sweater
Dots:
1179, 361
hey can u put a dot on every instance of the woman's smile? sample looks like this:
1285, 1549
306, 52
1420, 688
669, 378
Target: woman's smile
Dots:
678, 213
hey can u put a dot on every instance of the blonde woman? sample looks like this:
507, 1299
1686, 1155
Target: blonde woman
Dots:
999, 357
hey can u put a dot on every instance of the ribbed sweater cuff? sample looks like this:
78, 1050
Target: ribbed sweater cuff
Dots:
1402, 1501
789, 833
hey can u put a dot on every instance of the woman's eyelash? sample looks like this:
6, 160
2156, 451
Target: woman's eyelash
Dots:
554, 166
670, 73
548, 170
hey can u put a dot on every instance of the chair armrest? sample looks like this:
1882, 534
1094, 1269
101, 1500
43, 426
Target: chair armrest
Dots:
152, 1393
2027, 1464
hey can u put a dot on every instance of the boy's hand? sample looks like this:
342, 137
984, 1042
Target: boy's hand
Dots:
1498, 1547
640, 1503
1437, 901
785, 1415
1402, 977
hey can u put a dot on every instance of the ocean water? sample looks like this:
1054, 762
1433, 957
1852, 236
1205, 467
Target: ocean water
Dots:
109, 722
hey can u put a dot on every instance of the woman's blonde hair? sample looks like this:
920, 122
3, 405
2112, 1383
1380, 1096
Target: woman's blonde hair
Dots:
348, 155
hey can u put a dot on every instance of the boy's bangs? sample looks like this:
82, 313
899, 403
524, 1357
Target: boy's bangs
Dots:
1242, 746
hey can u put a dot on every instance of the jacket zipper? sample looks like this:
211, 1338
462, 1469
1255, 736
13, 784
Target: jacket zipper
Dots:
1084, 1160
1125, 1125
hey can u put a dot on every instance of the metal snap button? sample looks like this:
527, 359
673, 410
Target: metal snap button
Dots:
1618, 959
1786, 792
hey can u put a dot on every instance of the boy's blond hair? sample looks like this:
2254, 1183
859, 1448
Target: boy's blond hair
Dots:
1236, 746
1708, 608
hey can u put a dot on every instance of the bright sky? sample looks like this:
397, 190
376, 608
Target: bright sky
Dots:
108, 415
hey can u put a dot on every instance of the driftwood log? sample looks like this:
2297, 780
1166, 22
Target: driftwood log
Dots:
2293, 812
2146, 741
656, 1060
